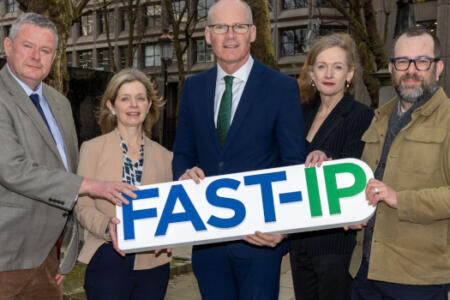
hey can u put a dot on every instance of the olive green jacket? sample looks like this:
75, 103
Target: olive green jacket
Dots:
411, 244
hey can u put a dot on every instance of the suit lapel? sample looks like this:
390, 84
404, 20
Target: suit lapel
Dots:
253, 90
208, 98
23, 102
334, 119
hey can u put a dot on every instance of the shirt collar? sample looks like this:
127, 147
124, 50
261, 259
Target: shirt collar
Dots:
242, 73
25, 87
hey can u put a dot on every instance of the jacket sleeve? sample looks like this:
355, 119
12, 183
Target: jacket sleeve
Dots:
87, 213
22, 173
184, 152
429, 205
289, 128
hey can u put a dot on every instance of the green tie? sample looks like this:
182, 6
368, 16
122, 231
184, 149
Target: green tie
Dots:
224, 117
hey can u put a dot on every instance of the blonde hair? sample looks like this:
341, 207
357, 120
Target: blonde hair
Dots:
308, 93
108, 121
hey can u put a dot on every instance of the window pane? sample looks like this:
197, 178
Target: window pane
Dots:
291, 4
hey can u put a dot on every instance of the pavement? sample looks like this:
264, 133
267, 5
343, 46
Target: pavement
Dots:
184, 286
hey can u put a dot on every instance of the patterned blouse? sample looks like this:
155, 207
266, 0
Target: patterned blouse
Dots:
132, 172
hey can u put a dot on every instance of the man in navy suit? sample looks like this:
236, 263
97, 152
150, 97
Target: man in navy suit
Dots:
238, 116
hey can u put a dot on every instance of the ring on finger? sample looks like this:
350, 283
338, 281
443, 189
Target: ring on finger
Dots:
377, 191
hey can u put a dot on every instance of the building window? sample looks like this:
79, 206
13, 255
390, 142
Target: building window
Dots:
178, 7
85, 59
293, 41
326, 3
291, 4
102, 22
202, 8
152, 15
123, 20
152, 56
203, 52
10, 6
270, 5
86, 25
326, 30
69, 59
103, 60
123, 54
6, 30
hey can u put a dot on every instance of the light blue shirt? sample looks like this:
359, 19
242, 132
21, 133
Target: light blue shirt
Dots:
48, 115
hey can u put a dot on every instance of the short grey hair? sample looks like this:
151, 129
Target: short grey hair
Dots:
250, 15
34, 19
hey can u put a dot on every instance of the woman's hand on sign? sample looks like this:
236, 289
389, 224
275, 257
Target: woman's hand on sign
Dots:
264, 239
112, 226
316, 158
195, 174
355, 227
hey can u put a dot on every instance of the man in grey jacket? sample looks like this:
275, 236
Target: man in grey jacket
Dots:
39, 153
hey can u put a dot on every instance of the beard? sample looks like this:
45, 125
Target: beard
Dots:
409, 93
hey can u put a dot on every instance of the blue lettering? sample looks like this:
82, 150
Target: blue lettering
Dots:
265, 180
189, 214
129, 215
214, 199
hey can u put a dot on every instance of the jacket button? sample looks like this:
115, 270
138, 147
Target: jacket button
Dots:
221, 164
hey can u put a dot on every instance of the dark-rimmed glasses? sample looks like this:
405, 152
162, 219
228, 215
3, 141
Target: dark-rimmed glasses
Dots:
223, 28
422, 63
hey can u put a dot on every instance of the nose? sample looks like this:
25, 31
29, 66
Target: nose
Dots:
329, 72
133, 102
230, 32
35, 54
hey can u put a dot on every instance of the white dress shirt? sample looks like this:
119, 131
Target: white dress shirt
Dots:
239, 81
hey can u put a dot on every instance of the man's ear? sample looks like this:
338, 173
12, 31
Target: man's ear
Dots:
439, 69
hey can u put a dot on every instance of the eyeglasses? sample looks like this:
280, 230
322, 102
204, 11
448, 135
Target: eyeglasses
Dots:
422, 63
223, 28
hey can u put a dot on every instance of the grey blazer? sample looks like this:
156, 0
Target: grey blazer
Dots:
36, 192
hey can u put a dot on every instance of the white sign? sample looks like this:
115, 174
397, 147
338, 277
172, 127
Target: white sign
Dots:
228, 207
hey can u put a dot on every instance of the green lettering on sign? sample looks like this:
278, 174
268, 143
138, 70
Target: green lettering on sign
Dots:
313, 192
333, 192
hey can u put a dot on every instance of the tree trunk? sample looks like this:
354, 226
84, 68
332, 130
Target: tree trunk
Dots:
262, 47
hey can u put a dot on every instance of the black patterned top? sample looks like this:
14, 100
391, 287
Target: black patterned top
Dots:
132, 172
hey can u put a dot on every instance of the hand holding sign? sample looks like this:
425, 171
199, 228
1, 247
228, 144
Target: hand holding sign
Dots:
229, 207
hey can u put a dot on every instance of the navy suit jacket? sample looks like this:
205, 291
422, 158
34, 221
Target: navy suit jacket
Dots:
266, 131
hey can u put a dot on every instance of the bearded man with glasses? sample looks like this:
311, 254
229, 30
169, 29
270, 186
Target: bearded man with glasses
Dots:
404, 251
238, 116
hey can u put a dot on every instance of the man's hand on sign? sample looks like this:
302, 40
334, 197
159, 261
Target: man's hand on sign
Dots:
264, 239
316, 158
195, 174
112, 226
377, 191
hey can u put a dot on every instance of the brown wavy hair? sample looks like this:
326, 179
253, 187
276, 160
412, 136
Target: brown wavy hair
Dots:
308, 93
108, 121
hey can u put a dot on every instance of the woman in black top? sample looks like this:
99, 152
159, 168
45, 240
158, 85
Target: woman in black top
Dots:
334, 124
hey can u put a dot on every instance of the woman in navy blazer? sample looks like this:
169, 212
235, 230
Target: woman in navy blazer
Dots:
334, 123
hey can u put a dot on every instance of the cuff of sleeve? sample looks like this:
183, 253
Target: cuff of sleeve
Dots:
404, 203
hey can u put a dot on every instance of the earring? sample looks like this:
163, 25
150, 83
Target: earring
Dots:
347, 84
313, 84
